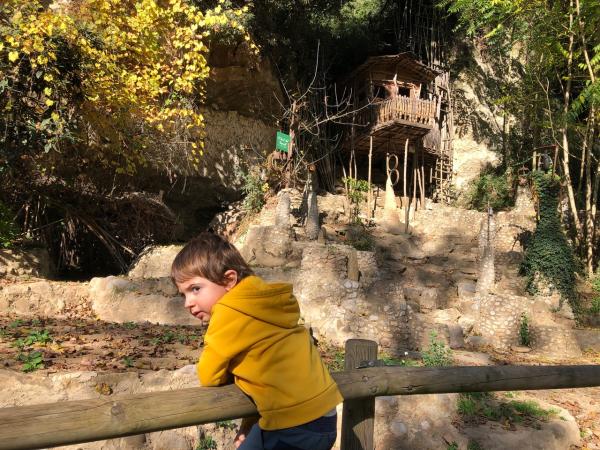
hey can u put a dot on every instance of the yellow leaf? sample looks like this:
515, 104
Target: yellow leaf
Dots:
12, 56
48, 77
49, 102
47, 91
55, 116
1, 46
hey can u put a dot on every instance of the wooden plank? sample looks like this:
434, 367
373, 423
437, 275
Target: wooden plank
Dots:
358, 418
46, 425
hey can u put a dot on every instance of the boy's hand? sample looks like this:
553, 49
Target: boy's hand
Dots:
244, 430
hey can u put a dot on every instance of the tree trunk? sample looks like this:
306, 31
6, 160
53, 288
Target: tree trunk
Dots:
565, 136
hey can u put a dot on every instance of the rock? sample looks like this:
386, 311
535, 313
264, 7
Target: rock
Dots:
428, 299
352, 271
416, 422
468, 358
32, 262
476, 341
116, 299
456, 336
445, 316
466, 323
520, 349
155, 262
466, 289
558, 433
268, 246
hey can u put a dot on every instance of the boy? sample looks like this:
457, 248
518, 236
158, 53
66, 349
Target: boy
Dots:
253, 337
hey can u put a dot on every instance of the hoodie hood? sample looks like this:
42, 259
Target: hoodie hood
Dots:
273, 303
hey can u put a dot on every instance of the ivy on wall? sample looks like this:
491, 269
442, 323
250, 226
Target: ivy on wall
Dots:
549, 257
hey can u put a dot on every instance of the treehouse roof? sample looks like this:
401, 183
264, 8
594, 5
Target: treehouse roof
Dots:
405, 65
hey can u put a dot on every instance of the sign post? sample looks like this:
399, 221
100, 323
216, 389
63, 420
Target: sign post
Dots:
282, 142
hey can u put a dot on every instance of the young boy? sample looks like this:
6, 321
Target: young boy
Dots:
254, 339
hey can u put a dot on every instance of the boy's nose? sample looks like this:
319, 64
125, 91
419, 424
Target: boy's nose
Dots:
188, 302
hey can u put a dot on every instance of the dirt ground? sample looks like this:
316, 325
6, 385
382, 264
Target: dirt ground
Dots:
72, 345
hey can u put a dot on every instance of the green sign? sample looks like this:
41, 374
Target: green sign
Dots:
282, 141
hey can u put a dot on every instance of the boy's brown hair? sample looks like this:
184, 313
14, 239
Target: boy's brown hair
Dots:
208, 256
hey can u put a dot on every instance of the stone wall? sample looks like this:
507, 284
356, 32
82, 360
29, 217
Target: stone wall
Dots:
34, 262
339, 309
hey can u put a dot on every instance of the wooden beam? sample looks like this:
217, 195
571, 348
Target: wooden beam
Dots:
358, 418
47, 425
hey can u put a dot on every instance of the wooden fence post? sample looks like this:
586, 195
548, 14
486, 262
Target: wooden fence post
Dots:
358, 415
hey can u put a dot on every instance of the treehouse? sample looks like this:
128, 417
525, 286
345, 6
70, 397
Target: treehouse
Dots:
401, 107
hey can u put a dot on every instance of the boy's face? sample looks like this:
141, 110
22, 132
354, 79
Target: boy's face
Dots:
201, 294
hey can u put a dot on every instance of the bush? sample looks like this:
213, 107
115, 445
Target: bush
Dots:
437, 354
255, 190
490, 189
356, 195
524, 336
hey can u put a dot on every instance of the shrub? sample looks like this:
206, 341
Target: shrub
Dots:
437, 354
255, 190
356, 195
491, 189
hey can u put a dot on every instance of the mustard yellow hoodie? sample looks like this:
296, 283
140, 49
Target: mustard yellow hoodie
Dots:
253, 334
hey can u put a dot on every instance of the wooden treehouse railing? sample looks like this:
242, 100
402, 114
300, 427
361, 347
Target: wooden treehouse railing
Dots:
413, 110
54, 424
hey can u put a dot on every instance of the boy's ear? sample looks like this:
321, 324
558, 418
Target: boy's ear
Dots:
230, 278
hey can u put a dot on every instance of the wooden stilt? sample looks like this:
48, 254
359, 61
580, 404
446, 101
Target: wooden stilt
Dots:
370, 197
422, 171
405, 164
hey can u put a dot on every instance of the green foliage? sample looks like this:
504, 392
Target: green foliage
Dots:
8, 229
595, 304
437, 355
549, 257
206, 443
360, 238
128, 361
391, 361
31, 361
472, 405
356, 195
452, 446
490, 189
524, 336
254, 189
38, 337
225, 424
474, 445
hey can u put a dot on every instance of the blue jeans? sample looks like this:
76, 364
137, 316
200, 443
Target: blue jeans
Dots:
319, 434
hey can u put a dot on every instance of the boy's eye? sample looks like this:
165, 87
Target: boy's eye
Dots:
195, 289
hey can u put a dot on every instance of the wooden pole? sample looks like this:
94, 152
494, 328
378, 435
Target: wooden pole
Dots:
422, 177
405, 163
54, 424
358, 415
370, 197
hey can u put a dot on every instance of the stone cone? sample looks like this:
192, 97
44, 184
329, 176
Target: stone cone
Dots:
391, 221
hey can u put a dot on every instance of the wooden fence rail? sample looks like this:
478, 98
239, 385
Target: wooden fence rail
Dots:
46, 425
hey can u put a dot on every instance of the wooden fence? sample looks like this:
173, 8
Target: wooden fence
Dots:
413, 110
47, 425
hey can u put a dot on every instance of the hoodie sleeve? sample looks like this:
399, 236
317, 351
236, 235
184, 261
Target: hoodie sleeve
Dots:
212, 368
222, 343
